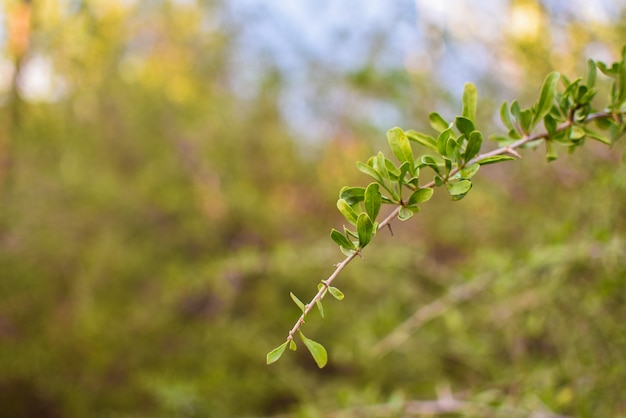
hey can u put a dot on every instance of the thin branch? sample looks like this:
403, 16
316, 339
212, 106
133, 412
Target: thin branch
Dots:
508, 149
445, 403
428, 312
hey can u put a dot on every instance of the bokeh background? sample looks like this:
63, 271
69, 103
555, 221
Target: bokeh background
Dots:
169, 172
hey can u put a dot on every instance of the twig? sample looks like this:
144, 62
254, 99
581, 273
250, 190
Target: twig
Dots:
508, 149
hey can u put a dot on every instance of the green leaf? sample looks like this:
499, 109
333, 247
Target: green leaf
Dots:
336, 293
292, 345
459, 188
373, 200
420, 196
341, 240
320, 307
437, 122
365, 229
380, 165
590, 79
469, 171
275, 354
464, 125
470, 100
352, 195
404, 169
442, 140
451, 149
405, 213
546, 98
400, 145
523, 117
429, 161
506, 116
526, 120
516, 110
426, 140
495, 159
551, 154
347, 211
551, 125
297, 301
316, 349
369, 170
393, 171
346, 251
474, 142
598, 137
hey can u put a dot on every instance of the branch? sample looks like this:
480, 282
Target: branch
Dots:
428, 312
446, 403
508, 149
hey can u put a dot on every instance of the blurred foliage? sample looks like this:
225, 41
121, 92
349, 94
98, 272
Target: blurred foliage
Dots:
155, 212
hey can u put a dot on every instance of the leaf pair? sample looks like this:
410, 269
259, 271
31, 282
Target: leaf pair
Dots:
316, 349
527, 119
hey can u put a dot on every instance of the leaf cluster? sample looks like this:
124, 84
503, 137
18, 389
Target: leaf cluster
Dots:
453, 156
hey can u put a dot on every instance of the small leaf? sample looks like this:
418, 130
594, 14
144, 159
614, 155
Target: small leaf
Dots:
404, 169
275, 354
590, 79
474, 143
380, 165
316, 349
451, 148
470, 100
442, 140
346, 251
373, 200
546, 98
429, 161
437, 122
336, 293
598, 137
420, 196
459, 188
297, 301
551, 154
352, 195
292, 345
365, 229
506, 117
551, 125
526, 120
464, 125
341, 240
469, 171
393, 171
369, 170
347, 211
426, 140
405, 213
400, 145
495, 159
320, 307
516, 110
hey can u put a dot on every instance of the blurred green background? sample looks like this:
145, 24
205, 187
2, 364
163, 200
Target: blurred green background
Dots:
169, 172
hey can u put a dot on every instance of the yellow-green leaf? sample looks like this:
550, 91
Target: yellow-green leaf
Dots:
316, 349
275, 354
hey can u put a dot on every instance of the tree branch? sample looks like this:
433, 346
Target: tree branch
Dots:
508, 149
